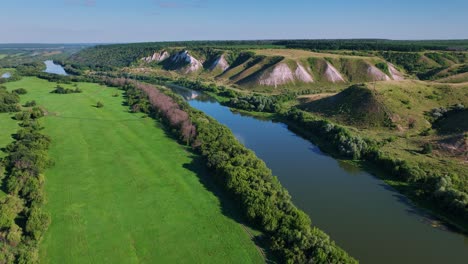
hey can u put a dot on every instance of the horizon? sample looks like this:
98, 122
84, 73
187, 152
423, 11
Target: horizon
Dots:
104, 22
217, 40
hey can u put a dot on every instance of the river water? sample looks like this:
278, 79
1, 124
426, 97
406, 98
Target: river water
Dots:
364, 215
6, 75
53, 68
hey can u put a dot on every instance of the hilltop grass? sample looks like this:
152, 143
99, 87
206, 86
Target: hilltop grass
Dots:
122, 191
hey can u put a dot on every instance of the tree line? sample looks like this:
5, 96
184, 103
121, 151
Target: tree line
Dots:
265, 203
23, 221
428, 184
374, 44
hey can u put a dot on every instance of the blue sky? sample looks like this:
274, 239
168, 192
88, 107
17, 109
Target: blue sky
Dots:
79, 21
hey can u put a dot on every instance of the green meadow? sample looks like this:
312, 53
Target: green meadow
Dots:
122, 191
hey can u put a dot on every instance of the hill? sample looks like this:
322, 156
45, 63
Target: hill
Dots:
273, 68
400, 105
357, 105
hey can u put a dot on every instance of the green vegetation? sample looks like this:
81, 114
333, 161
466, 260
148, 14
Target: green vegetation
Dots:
23, 221
8, 101
375, 44
61, 90
264, 201
145, 198
20, 91
357, 105
14, 55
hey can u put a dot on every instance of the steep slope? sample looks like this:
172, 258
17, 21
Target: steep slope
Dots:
220, 63
332, 74
183, 62
157, 57
394, 73
302, 74
376, 74
281, 74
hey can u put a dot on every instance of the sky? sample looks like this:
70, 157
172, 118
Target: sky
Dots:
120, 21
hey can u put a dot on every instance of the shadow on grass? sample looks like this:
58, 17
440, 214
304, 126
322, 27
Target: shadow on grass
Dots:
228, 205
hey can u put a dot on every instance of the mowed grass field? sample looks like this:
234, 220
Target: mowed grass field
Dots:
122, 191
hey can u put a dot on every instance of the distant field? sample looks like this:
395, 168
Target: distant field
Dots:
122, 191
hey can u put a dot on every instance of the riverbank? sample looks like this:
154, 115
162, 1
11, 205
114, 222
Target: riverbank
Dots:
408, 189
418, 185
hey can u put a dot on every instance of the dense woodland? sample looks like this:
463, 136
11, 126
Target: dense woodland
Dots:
375, 44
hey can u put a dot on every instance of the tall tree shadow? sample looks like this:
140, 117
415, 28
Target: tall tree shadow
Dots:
228, 204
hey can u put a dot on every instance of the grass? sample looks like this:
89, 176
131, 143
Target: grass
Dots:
8, 127
122, 191
5, 70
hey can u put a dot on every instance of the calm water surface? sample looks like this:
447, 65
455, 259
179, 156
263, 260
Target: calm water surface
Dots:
51, 67
6, 75
361, 213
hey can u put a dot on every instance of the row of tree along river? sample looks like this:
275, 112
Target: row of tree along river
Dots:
365, 216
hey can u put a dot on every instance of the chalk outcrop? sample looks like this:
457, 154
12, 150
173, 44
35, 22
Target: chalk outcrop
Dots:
220, 63
281, 74
184, 57
395, 74
157, 56
332, 74
303, 75
376, 74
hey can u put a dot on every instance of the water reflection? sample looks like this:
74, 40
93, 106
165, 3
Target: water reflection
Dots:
365, 216
6, 75
53, 68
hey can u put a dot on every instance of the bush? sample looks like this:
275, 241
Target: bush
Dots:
20, 91
99, 105
30, 103
61, 90
427, 148
8, 101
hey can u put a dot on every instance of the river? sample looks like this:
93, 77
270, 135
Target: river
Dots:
6, 75
53, 68
364, 215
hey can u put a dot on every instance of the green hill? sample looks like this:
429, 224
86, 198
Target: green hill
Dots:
357, 105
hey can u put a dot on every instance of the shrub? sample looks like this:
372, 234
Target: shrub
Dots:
99, 105
61, 90
8, 101
30, 103
427, 148
20, 91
